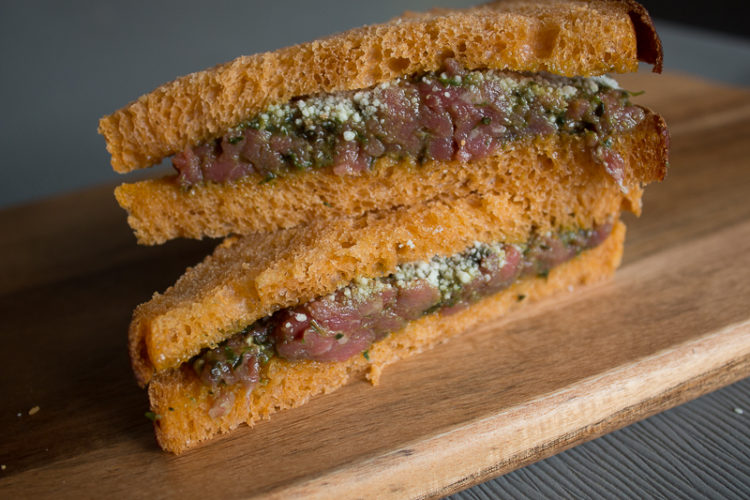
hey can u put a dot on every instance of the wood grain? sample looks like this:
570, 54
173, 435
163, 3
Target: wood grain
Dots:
697, 450
672, 325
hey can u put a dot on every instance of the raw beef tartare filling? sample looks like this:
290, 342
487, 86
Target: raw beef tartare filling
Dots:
453, 114
348, 321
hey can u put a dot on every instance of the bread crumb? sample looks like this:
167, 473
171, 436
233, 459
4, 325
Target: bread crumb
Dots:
34, 410
373, 373
739, 411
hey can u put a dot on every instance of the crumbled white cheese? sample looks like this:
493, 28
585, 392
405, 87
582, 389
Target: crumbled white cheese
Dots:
363, 104
447, 274
568, 91
463, 276
590, 85
606, 81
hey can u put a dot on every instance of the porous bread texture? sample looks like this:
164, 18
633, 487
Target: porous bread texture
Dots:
183, 402
566, 37
160, 210
250, 277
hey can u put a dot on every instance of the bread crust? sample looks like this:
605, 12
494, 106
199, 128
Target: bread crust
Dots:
567, 37
160, 210
182, 402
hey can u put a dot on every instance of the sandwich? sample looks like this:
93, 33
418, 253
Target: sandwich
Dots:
380, 191
374, 118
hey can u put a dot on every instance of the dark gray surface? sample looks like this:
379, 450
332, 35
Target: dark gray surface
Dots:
697, 450
67, 64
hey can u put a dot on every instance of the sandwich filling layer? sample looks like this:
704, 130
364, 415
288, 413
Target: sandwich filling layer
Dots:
348, 321
446, 115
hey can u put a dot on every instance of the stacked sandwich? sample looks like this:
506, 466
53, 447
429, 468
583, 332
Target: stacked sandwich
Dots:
379, 190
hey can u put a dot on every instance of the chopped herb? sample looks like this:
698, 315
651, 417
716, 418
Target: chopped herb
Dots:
339, 336
486, 120
327, 204
635, 94
235, 140
454, 81
366, 354
521, 297
171, 409
608, 142
269, 177
152, 416
433, 308
543, 274
295, 160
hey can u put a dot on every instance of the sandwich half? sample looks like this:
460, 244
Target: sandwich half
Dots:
426, 105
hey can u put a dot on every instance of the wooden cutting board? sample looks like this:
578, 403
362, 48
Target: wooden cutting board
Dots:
673, 324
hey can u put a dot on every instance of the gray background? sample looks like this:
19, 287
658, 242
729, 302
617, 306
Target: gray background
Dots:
67, 64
